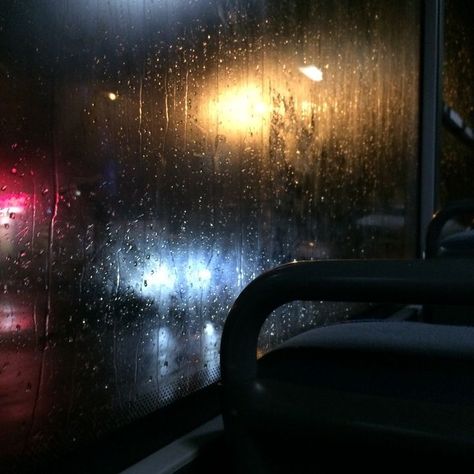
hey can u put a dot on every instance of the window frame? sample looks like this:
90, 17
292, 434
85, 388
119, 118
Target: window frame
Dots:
431, 114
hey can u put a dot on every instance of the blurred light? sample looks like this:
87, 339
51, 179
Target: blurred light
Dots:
161, 277
164, 339
204, 275
306, 108
166, 348
240, 108
198, 276
209, 330
8, 213
112, 96
11, 200
15, 317
312, 72
11, 204
210, 349
13, 209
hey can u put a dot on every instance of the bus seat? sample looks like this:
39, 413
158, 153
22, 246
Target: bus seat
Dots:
461, 242
344, 393
458, 245
457, 242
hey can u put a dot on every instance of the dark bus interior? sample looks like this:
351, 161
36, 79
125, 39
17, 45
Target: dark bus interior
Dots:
236, 235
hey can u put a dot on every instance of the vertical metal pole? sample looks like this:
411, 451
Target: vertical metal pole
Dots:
431, 109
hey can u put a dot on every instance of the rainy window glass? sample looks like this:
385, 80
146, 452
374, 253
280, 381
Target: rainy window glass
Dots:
155, 157
457, 150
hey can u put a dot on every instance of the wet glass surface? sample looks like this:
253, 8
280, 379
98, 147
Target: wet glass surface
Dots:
156, 156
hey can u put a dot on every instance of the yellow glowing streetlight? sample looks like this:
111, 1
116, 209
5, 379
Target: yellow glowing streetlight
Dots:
240, 109
112, 96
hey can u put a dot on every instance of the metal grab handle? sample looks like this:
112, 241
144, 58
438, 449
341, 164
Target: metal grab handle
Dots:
439, 220
436, 281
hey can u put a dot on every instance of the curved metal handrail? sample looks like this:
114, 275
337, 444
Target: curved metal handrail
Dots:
436, 281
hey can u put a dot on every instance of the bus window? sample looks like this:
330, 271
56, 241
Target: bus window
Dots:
155, 157
457, 147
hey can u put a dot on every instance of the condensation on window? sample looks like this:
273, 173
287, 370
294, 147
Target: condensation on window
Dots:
156, 156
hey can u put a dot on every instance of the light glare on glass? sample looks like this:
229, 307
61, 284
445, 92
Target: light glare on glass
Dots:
312, 72
161, 277
240, 108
